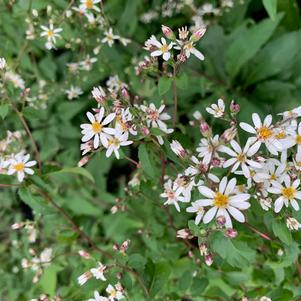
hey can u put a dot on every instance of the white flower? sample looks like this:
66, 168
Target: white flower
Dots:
241, 157
97, 128
224, 201
114, 292
264, 132
208, 148
292, 223
114, 143
184, 184
296, 139
265, 203
19, 164
297, 161
87, 63
98, 94
124, 122
289, 194
109, 37
172, 194
177, 148
50, 33
82, 279
162, 48
98, 271
198, 209
15, 78
2, 63
264, 298
217, 110
115, 84
89, 5
73, 92
97, 297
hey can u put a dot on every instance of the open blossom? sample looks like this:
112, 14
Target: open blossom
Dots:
177, 148
89, 5
208, 148
197, 208
264, 132
97, 297
162, 48
98, 94
109, 37
115, 293
87, 63
292, 224
172, 194
124, 122
20, 164
217, 110
240, 157
73, 92
51, 34
115, 84
98, 271
82, 279
115, 142
97, 128
289, 194
224, 202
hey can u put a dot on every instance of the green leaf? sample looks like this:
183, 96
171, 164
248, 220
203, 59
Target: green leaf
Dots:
271, 8
247, 44
48, 280
164, 85
74, 170
145, 160
281, 231
137, 261
182, 81
3, 110
198, 286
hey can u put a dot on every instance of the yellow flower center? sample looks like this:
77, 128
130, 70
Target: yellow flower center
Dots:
221, 200
241, 158
264, 133
289, 192
89, 4
188, 46
280, 135
19, 166
113, 293
298, 164
114, 141
96, 127
273, 177
298, 139
164, 48
50, 33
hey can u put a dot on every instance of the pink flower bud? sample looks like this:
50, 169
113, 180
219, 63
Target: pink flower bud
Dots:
216, 162
234, 107
184, 234
168, 32
198, 34
145, 131
178, 149
84, 254
182, 58
209, 259
203, 249
231, 233
83, 161
125, 93
205, 129
17, 226
229, 134
221, 220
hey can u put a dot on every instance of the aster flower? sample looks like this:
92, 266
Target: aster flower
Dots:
289, 194
241, 157
265, 133
109, 37
98, 94
162, 48
197, 208
20, 164
217, 110
124, 122
115, 293
82, 279
292, 224
73, 92
97, 297
177, 148
87, 63
98, 272
89, 5
224, 202
97, 128
114, 84
208, 148
51, 34
115, 142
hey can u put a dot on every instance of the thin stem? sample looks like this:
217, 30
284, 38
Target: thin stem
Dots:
263, 235
9, 185
175, 96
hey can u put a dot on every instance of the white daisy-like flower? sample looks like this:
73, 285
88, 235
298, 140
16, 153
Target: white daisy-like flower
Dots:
292, 224
73, 92
197, 208
82, 279
172, 194
115, 84
124, 122
296, 139
97, 128
240, 157
87, 63
162, 48
289, 193
264, 298
184, 184
224, 202
98, 94
97, 297
297, 161
177, 148
109, 37
114, 292
20, 164
115, 142
208, 148
217, 110
265, 133
98, 272
90, 5
50, 33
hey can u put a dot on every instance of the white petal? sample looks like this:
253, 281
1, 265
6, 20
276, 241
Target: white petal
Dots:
207, 192
256, 120
247, 128
222, 185
209, 215
278, 204
236, 214
230, 187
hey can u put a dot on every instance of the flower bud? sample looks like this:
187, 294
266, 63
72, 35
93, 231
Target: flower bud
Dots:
84, 254
198, 34
231, 233
215, 162
203, 249
17, 226
229, 134
83, 161
221, 220
125, 94
209, 260
178, 149
234, 107
145, 131
168, 32
205, 129
184, 234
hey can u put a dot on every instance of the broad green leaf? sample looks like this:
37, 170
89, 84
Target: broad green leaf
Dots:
74, 170
144, 154
164, 85
247, 44
281, 231
48, 280
271, 8
4, 110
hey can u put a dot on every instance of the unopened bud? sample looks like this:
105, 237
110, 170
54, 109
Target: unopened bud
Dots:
125, 94
205, 129
216, 162
198, 34
203, 249
145, 131
17, 226
221, 220
84, 254
168, 32
231, 233
178, 149
209, 260
184, 234
234, 107
83, 161
229, 134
